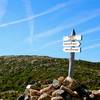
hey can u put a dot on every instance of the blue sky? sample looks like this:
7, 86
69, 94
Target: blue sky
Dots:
37, 27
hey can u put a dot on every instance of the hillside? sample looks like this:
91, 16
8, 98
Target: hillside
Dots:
18, 71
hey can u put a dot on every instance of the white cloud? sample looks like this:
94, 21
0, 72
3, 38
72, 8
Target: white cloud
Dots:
97, 28
79, 20
49, 44
91, 47
48, 11
29, 12
3, 8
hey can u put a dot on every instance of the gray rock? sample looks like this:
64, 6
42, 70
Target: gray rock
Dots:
57, 92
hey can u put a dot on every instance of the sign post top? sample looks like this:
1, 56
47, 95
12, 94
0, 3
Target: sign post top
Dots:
72, 37
73, 34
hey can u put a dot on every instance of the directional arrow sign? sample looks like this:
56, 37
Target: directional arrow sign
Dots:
65, 43
73, 49
76, 37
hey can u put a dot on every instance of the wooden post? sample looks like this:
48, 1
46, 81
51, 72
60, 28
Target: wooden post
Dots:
71, 60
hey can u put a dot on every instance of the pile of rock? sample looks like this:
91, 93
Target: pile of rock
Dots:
61, 89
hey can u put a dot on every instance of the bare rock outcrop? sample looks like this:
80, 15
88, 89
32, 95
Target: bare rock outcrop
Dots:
61, 89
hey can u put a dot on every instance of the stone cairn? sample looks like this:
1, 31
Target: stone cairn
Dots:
61, 89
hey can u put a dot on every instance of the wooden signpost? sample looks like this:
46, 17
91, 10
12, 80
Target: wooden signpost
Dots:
71, 44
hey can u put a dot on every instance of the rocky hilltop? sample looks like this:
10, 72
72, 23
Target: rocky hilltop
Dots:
16, 72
